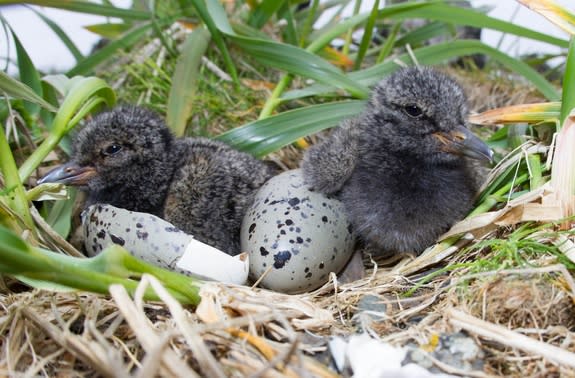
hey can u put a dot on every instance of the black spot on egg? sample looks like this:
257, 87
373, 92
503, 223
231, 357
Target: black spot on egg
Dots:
117, 240
321, 265
252, 228
142, 235
281, 258
299, 240
264, 252
139, 225
324, 219
293, 201
101, 234
289, 222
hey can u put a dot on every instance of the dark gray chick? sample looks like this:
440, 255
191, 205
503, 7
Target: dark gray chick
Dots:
401, 167
128, 158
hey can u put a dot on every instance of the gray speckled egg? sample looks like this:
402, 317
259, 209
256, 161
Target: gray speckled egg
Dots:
298, 235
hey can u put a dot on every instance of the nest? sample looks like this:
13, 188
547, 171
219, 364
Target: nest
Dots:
522, 321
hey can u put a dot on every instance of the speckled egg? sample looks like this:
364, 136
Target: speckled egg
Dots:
295, 236
160, 243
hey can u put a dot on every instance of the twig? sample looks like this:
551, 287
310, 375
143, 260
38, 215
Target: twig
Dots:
172, 365
510, 338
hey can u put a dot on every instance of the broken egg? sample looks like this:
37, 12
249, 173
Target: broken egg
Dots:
160, 243
295, 237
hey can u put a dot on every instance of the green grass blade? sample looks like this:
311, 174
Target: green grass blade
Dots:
307, 26
109, 30
387, 47
62, 35
274, 54
367, 36
28, 74
348, 36
468, 16
267, 135
184, 81
51, 270
325, 36
300, 62
432, 55
13, 191
568, 95
86, 66
212, 20
264, 11
418, 36
84, 95
16, 89
290, 33
86, 7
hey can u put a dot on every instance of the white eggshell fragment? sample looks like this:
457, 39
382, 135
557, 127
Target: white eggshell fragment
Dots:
294, 236
160, 243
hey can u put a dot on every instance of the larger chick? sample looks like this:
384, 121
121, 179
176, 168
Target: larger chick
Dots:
128, 158
401, 167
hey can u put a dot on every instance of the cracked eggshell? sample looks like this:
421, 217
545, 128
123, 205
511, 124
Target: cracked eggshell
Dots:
298, 235
160, 243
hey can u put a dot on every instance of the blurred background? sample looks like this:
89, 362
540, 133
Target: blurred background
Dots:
49, 54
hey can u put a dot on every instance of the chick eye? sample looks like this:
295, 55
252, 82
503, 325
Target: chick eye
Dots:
112, 149
413, 111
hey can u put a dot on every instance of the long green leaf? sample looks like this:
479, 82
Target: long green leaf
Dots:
432, 55
13, 193
568, 95
109, 30
16, 89
367, 36
85, 66
468, 16
184, 81
83, 96
61, 34
28, 73
82, 6
275, 54
264, 11
267, 135
207, 17
43, 268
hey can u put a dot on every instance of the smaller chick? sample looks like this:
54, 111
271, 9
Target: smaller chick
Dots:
128, 158
401, 167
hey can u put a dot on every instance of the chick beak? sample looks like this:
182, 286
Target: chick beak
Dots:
461, 141
69, 174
